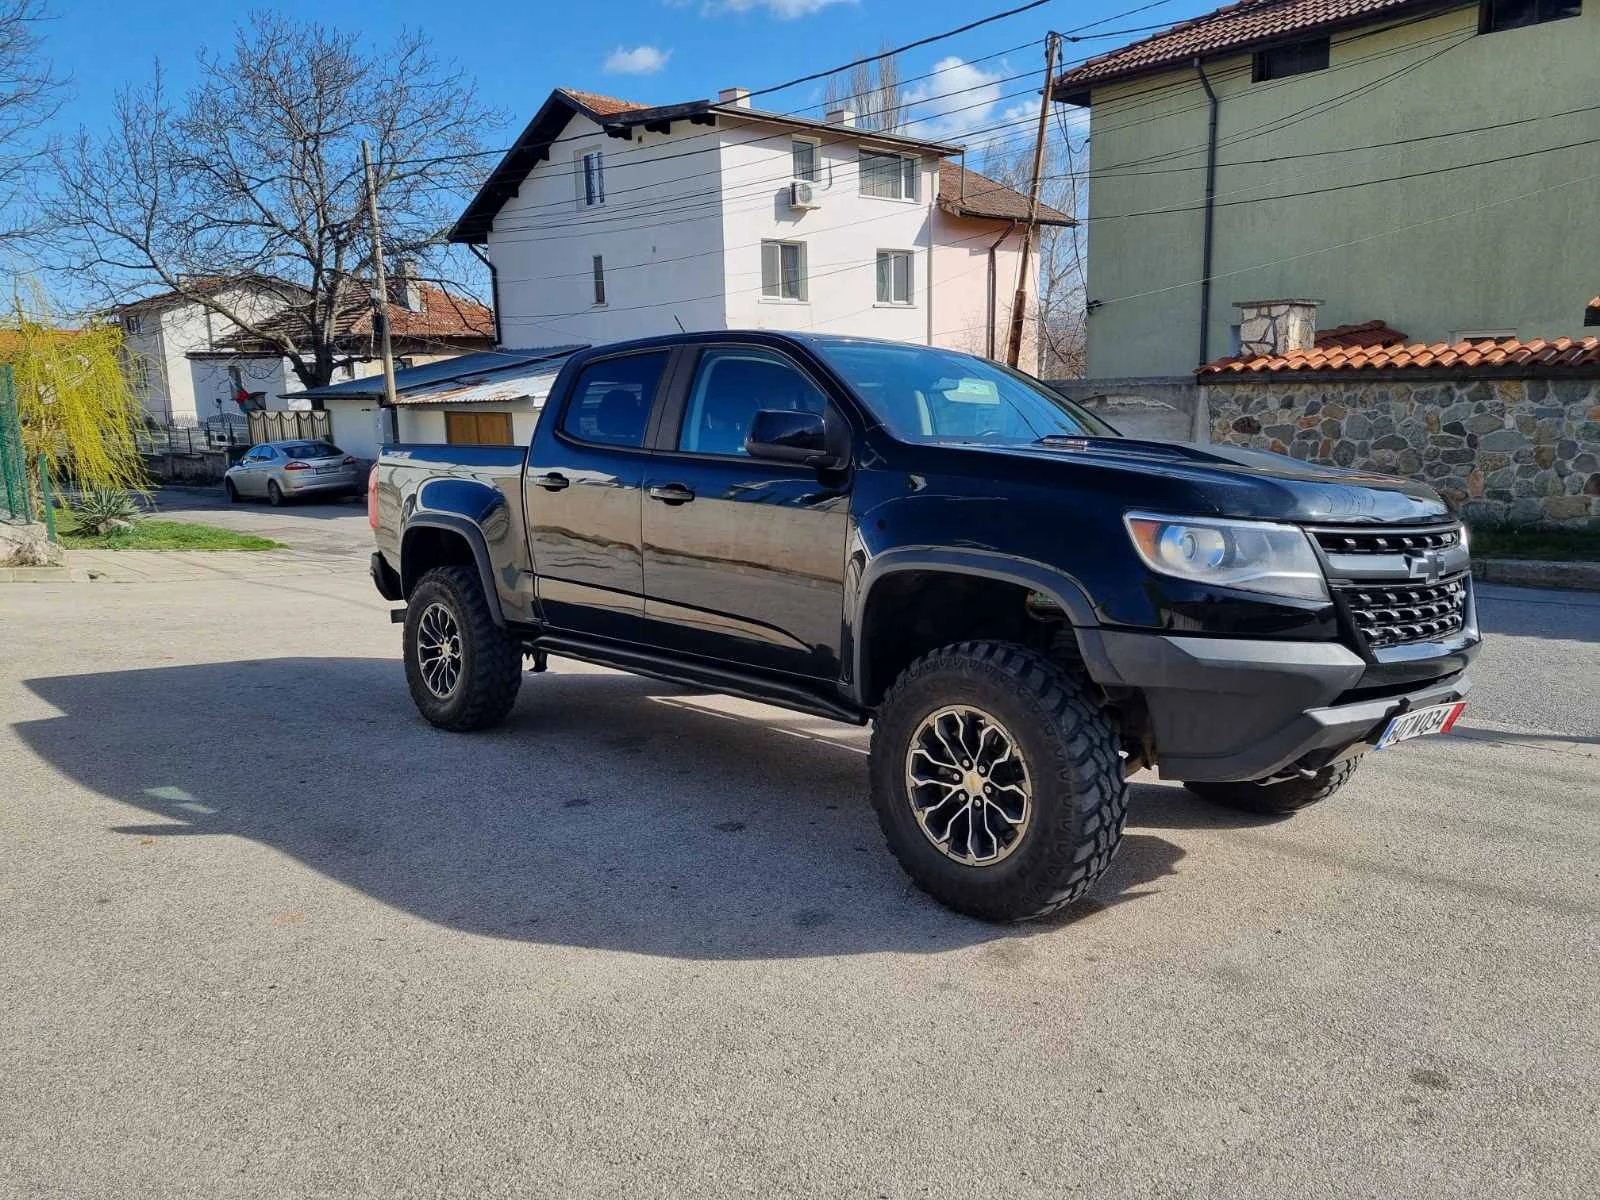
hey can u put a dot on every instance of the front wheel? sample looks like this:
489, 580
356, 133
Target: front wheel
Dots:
462, 668
997, 781
1287, 796
233, 492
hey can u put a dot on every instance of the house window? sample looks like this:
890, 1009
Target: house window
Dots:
783, 270
1495, 15
1298, 58
1482, 335
141, 371
804, 152
894, 277
592, 177
132, 323
599, 279
889, 176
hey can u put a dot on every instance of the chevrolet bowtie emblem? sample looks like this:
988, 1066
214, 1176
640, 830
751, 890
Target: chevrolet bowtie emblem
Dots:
1426, 565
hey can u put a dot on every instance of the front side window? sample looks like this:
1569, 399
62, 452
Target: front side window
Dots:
922, 394
894, 277
1298, 58
889, 176
804, 154
1496, 15
730, 387
783, 270
592, 167
611, 399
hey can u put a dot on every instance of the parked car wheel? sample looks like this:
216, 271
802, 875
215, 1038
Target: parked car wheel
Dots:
462, 668
275, 494
1289, 796
997, 781
233, 492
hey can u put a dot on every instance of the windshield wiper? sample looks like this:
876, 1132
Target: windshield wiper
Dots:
1073, 441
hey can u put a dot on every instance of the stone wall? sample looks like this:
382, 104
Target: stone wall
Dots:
1501, 451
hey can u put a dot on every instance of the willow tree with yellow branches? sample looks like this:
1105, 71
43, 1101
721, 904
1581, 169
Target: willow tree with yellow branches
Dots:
73, 398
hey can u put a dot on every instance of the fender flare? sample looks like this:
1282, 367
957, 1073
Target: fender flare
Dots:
472, 535
1066, 591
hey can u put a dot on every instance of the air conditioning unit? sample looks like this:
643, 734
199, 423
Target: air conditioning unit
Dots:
803, 194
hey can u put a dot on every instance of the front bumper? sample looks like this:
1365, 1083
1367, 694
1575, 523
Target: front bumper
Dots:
1234, 709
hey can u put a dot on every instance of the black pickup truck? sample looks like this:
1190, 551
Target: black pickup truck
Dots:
1027, 606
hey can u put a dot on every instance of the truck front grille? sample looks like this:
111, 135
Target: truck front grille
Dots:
1385, 541
1399, 613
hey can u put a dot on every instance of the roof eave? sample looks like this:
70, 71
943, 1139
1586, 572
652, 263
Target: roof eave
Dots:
956, 209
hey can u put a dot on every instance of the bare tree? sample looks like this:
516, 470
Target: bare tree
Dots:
30, 96
256, 172
871, 90
1062, 312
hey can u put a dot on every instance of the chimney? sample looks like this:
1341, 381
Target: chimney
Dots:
842, 116
404, 290
737, 96
1268, 327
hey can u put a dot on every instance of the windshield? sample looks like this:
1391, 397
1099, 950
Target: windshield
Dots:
312, 450
927, 395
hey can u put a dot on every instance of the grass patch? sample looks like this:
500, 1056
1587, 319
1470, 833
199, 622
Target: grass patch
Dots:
150, 533
1551, 545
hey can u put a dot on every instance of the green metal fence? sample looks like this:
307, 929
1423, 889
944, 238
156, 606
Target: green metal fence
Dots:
15, 492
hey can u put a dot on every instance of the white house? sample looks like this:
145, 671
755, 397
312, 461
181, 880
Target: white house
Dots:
162, 332
610, 220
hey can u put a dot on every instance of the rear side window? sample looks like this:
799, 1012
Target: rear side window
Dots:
611, 399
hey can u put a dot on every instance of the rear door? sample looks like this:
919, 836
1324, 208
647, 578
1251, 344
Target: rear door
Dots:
582, 493
743, 559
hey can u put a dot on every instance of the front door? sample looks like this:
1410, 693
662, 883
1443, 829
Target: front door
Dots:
582, 490
744, 559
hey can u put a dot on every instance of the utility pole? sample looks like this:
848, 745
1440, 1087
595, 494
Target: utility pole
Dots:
1019, 302
380, 295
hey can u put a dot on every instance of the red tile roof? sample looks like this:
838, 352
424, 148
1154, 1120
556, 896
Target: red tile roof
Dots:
605, 106
1367, 333
1232, 27
988, 198
1505, 355
443, 316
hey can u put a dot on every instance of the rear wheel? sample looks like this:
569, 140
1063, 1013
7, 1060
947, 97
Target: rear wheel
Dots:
1289, 796
997, 781
275, 493
233, 492
462, 668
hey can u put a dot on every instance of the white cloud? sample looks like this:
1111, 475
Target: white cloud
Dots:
641, 60
956, 99
784, 10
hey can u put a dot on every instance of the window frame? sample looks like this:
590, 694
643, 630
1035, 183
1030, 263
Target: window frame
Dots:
1259, 73
910, 257
669, 369
599, 262
910, 169
816, 158
803, 290
676, 411
588, 197
1486, 17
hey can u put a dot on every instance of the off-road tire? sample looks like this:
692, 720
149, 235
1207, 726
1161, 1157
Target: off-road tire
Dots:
491, 663
275, 494
232, 492
1277, 798
1080, 798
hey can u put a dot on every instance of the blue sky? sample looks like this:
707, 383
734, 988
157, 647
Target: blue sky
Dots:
652, 50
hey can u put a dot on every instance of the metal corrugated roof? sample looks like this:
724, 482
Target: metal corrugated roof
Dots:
451, 374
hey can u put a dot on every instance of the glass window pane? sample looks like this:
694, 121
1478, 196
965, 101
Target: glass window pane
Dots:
884, 281
908, 169
770, 269
611, 399
730, 387
793, 272
902, 278
599, 279
805, 160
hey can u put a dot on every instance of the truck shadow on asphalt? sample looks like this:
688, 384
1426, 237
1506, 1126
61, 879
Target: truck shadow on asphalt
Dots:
609, 811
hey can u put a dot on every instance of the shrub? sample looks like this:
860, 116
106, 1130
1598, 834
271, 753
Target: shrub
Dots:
105, 510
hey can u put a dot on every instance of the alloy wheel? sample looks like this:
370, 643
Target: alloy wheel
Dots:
439, 650
968, 785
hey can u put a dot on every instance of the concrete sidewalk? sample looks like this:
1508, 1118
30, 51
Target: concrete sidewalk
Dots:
177, 566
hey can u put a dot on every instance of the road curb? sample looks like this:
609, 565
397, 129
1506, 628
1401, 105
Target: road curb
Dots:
1530, 572
41, 575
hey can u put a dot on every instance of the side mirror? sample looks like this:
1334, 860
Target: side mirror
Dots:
783, 435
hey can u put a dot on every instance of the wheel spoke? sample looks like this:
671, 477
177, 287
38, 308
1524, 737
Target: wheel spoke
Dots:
973, 816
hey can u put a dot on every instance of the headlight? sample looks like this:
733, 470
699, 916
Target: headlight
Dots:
1253, 555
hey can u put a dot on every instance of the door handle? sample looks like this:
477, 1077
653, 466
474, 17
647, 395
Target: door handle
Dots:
552, 481
671, 493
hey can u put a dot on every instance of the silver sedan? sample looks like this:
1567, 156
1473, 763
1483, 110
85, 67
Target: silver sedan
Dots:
284, 471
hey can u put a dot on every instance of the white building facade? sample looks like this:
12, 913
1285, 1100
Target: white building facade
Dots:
609, 221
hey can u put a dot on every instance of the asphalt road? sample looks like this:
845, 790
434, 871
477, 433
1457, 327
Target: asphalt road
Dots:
265, 933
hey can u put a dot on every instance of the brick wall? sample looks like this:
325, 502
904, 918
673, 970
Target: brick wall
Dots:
1502, 451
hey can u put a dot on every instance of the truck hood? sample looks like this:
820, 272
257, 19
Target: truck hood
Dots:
1234, 481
